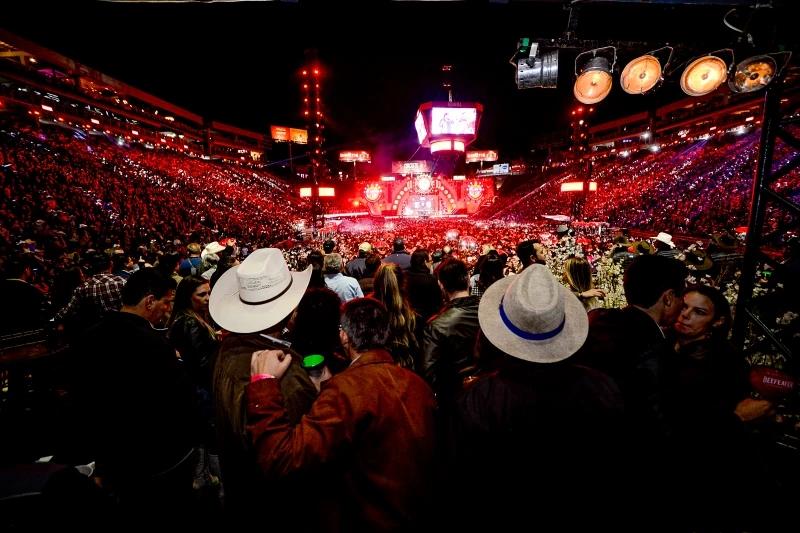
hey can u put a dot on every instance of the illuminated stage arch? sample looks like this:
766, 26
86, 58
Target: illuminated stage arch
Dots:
425, 196
446, 196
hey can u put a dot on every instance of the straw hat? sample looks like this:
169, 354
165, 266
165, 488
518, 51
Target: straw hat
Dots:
532, 317
258, 293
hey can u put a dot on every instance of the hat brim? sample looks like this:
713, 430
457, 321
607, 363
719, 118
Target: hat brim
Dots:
558, 348
212, 250
722, 246
668, 243
232, 314
705, 265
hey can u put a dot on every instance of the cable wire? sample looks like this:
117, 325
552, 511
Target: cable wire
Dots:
728, 24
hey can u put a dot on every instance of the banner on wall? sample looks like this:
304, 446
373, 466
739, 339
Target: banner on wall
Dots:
284, 134
351, 156
411, 167
474, 156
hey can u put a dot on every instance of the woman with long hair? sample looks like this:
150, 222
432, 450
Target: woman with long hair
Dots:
711, 379
389, 289
191, 331
712, 370
578, 275
316, 260
491, 270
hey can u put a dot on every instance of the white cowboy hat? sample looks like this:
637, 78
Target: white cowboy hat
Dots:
531, 316
258, 293
666, 238
211, 248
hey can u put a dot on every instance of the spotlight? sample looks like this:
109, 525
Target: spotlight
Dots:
753, 74
593, 82
644, 74
537, 70
704, 75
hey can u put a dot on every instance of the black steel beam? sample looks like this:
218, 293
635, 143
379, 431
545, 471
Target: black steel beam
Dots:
758, 206
788, 138
785, 169
788, 204
768, 333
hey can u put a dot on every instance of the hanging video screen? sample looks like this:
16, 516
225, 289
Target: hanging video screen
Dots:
453, 120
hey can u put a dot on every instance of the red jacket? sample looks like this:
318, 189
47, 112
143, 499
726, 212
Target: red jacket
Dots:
369, 442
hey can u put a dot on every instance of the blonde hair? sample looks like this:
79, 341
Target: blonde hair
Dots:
578, 274
389, 290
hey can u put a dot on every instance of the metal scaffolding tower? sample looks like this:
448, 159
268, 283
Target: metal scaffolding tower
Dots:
772, 127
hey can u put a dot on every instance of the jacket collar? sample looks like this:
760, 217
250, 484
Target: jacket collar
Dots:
371, 357
652, 320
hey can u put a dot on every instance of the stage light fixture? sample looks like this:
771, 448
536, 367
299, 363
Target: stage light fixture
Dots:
644, 74
753, 74
538, 70
593, 82
704, 74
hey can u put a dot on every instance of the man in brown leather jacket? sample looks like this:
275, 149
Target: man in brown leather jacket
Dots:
368, 441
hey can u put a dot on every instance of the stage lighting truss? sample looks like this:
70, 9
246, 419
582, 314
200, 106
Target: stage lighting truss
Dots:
593, 79
705, 73
645, 74
538, 70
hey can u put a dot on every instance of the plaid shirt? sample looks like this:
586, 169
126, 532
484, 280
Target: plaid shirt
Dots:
103, 292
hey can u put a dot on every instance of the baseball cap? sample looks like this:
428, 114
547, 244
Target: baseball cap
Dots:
365, 247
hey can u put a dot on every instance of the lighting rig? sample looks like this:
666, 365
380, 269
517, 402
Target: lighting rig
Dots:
537, 62
312, 112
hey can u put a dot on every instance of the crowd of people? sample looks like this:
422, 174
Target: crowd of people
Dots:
693, 188
396, 375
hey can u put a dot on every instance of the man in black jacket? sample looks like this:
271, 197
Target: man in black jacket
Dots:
26, 306
140, 414
630, 346
399, 256
449, 339
356, 268
538, 438
422, 287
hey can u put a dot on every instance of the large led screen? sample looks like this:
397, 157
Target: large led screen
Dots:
453, 120
419, 123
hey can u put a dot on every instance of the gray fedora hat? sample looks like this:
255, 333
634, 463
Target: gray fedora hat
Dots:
531, 316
